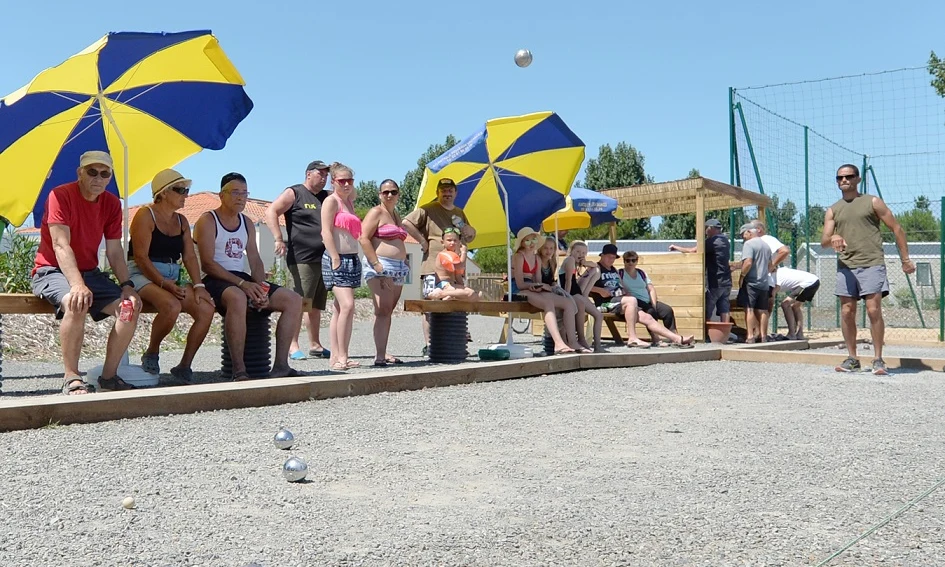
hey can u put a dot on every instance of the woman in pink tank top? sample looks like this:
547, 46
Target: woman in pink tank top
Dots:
341, 270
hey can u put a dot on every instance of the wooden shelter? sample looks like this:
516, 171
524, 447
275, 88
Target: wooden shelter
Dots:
680, 278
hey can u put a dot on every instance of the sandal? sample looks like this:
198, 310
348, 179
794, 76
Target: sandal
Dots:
115, 384
76, 384
638, 344
319, 352
338, 367
289, 373
393, 360
380, 363
686, 342
352, 364
241, 377
565, 350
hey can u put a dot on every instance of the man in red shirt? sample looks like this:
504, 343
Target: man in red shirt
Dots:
77, 216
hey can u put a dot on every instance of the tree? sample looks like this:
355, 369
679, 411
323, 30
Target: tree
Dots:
817, 215
784, 217
492, 260
618, 167
681, 226
410, 188
919, 223
937, 70
366, 197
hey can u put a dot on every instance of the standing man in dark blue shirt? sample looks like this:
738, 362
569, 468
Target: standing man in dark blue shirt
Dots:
718, 274
302, 206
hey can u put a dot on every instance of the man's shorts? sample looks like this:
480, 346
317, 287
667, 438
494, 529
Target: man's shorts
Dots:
307, 281
754, 297
50, 283
348, 273
806, 294
216, 288
717, 300
860, 282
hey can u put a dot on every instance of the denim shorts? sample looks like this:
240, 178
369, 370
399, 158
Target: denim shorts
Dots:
169, 271
397, 270
347, 275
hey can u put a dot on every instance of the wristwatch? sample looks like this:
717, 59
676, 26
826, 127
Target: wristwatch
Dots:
127, 283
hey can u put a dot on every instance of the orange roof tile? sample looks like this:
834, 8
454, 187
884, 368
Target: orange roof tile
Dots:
199, 203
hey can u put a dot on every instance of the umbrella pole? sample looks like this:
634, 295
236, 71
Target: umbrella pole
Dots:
111, 120
508, 248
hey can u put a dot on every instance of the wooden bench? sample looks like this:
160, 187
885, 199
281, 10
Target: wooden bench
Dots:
448, 319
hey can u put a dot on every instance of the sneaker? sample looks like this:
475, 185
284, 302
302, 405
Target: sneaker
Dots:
849, 365
151, 363
879, 367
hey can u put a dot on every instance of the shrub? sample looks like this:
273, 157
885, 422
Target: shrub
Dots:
17, 263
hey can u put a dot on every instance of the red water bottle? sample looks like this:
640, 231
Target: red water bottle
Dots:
127, 310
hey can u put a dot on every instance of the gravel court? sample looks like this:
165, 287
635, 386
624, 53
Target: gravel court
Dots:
713, 463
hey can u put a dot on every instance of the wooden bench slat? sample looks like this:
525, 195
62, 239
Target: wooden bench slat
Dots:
29, 304
465, 306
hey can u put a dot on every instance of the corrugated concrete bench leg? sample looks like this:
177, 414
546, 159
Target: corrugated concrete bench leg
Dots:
448, 337
257, 354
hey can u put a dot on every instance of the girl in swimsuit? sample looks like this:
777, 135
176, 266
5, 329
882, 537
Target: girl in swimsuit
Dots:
385, 256
548, 257
526, 282
577, 276
341, 269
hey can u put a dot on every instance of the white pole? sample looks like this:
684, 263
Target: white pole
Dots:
111, 120
508, 239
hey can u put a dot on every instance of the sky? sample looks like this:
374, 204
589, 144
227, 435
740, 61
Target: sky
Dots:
373, 84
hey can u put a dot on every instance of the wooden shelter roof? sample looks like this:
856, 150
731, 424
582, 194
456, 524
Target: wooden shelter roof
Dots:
674, 197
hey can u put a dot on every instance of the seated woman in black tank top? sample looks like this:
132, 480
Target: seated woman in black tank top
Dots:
160, 239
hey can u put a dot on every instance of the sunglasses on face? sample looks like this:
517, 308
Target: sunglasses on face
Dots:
92, 172
847, 177
630, 261
349, 181
181, 190
390, 192
239, 194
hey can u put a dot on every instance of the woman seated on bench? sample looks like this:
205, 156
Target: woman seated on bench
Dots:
526, 285
640, 304
451, 270
577, 277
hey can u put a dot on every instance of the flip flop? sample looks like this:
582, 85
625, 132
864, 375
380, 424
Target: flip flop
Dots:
338, 367
241, 377
298, 355
352, 364
638, 344
393, 360
565, 350
380, 363
292, 373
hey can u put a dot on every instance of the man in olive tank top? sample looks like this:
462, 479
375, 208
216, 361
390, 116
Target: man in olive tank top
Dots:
851, 227
302, 206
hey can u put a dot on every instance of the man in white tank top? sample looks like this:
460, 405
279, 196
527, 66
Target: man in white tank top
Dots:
224, 235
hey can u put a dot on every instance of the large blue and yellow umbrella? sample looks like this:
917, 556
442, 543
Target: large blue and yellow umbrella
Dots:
534, 158
150, 99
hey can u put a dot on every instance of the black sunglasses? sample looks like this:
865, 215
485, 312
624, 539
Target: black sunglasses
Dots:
181, 190
847, 177
391, 192
92, 172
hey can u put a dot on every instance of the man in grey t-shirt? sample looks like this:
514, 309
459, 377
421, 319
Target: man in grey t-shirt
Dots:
753, 295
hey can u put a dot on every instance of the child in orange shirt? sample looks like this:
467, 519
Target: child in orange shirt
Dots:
451, 270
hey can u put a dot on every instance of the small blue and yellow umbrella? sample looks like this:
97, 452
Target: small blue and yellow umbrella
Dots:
149, 99
534, 158
585, 208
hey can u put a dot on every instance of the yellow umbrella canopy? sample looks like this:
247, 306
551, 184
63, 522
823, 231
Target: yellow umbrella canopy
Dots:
151, 99
534, 158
